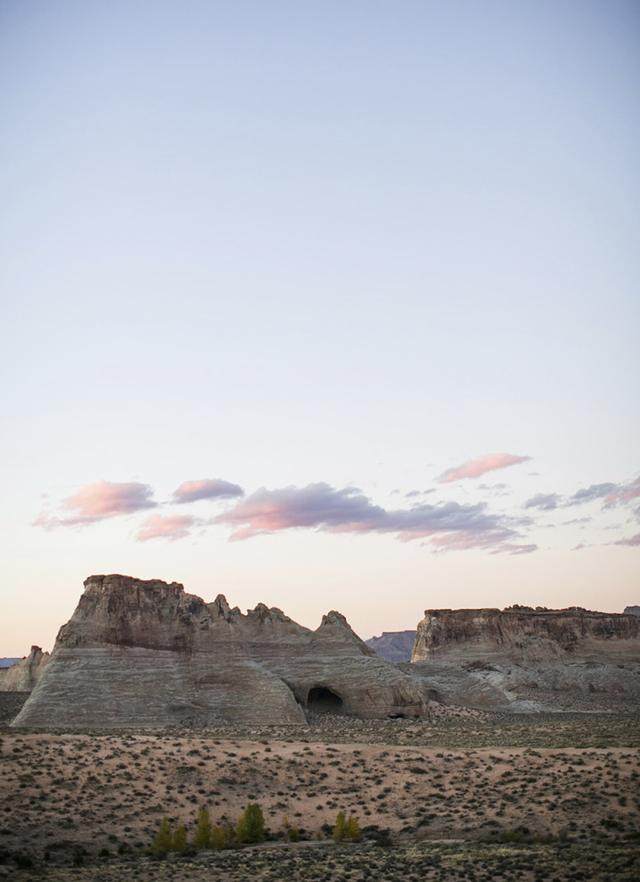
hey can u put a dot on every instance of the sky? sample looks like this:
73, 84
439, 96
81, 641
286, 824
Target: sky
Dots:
330, 306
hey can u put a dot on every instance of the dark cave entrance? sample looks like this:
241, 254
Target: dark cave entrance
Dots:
321, 700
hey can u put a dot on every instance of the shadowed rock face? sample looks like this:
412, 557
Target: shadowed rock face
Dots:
525, 659
25, 673
522, 632
395, 646
632, 611
145, 653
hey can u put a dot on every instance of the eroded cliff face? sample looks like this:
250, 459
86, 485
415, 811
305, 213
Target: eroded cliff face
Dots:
524, 659
146, 653
25, 673
524, 632
395, 646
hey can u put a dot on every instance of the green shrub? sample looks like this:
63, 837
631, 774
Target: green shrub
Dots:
353, 831
221, 837
340, 827
202, 836
163, 839
179, 839
294, 834
251, 824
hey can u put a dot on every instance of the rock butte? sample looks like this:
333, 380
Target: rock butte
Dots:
395, 646
524, 633
25, 673
523, 659
145, 653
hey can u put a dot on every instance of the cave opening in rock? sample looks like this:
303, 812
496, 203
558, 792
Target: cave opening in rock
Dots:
321, 700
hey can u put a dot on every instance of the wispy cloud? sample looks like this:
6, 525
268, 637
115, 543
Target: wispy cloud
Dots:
97, 502
168, 527
474, 468
514, 548
544, 501
590, 493
633, 541
447, 525
623, 493
206, 488
612, 495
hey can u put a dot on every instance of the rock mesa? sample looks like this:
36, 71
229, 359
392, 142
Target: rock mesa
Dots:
146, 653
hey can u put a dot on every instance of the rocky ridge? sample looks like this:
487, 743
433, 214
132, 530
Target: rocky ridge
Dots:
25, 673
395, 646
146, 653
524, 659
522, 632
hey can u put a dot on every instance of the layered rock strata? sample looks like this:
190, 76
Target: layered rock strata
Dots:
145, 653
524, 632
25, 673
395, 646
523, 659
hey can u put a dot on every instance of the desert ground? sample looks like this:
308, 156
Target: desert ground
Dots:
469, 797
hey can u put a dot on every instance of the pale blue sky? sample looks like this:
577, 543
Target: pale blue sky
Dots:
290, 243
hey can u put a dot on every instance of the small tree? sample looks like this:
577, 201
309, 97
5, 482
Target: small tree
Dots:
294, 834
219, 837
353, 831
289, 832
163, 839
179, 841
340, 827
251, 824
202, 836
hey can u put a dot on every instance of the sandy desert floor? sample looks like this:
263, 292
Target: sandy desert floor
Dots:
544, 811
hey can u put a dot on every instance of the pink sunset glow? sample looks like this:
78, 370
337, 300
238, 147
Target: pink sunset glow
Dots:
169, 527
475, 468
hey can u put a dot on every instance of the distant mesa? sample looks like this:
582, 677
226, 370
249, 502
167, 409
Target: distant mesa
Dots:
24, 673
8, 662
524, 659
394, 646
146, 653
523, 633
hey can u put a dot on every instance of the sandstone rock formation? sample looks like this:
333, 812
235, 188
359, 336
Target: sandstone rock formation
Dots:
145, 653
525, 659
524, 633
395, 646
632, 611
25, 673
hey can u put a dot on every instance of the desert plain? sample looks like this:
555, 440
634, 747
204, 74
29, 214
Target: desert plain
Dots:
479, 796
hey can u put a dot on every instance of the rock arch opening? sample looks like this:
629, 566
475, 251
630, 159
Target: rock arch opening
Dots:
322, 700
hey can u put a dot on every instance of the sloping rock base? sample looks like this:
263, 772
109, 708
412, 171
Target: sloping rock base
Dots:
145, 653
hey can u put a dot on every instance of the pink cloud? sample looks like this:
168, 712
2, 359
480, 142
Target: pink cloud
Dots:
474, 468
170, 527
448, 526
206, 488
97, 502
623, 493
494, 541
